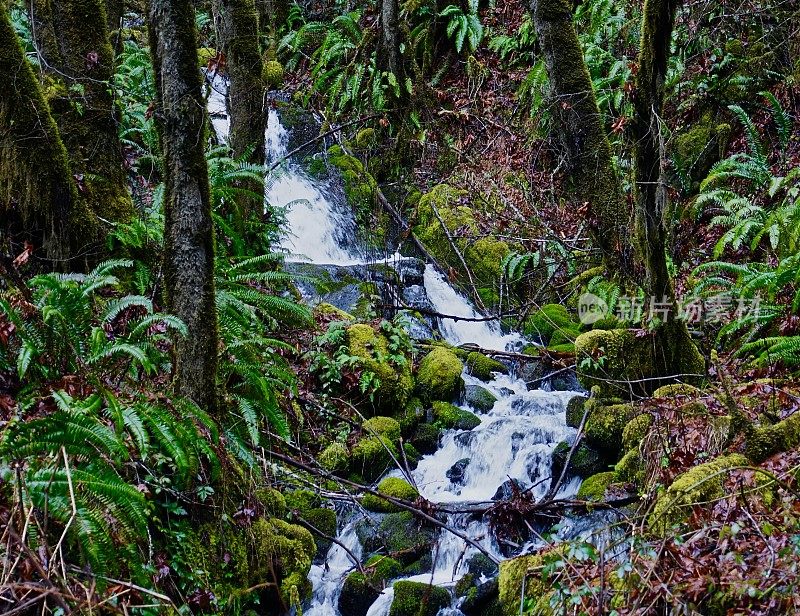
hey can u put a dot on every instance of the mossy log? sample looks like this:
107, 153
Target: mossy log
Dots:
38, 195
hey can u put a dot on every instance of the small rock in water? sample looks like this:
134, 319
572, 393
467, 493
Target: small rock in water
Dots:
506, 490
456, 472
479, 398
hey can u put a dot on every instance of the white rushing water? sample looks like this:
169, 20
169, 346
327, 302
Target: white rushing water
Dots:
514, 439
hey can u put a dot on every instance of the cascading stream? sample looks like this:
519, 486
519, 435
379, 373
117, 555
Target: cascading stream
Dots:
514, 439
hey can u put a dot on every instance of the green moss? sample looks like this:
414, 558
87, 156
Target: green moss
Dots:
272, 501
635, 431
480, 398
365, 138
451, 417
324, 520
484, 258
765, 441
360, 591
697, 486
328, 310
370, 457
372, 349
575, 408
334, 458
426, 438
391, 486
205, 55
416, 599
464, 584
272, 74
676, 389
622, 362
523, 576
547, 320
360, 189
594, 488
481, 367
412, 415
383, 426
630, 468
604, 426
302, 500
439, 375
584, 461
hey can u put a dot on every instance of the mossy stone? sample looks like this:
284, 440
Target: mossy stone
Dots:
479, 398
383, 426
697, 486
359, 591
481, 367
575, 408
765, 441
401, 535
594, 488
334, 458
372, 349
417, 599
522, 577
372, 457
631, 468
332, 312
451, 417
584, 462
604, 426
391, 486
426, 438
365, 138
272, 501
302, 500
635, 431
412, 415
676, 389
324, 520
439, 375
549, 319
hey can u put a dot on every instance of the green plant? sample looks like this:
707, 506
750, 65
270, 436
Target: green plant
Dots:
464, 26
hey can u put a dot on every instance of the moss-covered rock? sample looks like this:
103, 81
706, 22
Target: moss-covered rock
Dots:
604, 426
697, 486
417, 599
702, 144
481, 367
272, 74
524, 573
334, 458
391, 486
584, 461
272, 501
399, 534
635, 431
324, 520
413, 414
361, 589
676, 389
292, 546
765, 441
549, 319
426, 438
372, 457
302, 501
479, 398
205, 55
332, 313
439, 375
575, 408
594, 488
480, 565
451, 417
372, 349
623, 362
630, 469
383, 426
365, 138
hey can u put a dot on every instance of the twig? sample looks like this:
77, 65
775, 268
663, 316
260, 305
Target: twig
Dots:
71, 518
555, 487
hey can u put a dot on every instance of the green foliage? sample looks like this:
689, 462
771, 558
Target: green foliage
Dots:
464, 26
516, 48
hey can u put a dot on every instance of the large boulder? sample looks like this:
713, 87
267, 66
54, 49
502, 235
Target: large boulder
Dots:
391, 486
450, 417
439, 375
372, 456
360, 590
479, 398
605, 425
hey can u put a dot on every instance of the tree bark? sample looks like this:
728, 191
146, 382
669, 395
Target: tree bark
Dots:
188, 230
583, 135
72, 38
389, 47
650, 188
238, 28
39, 199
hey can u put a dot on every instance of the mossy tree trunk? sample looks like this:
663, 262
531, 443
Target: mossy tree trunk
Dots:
238, 30
72, 38
188, 230
389, 46
38, 194
583, 134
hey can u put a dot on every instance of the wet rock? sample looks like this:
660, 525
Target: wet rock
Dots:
417, 599
451, 417
482, 367
360, 591
412, 272
398, 534
585, 461
506, 490
481, 566
479, 398
464, 439
480, 598
439, 375
426, 438
456, 472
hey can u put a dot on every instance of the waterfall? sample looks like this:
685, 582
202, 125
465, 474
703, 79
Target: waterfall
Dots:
515, 438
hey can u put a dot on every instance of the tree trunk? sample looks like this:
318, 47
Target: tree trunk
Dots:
389, 46
650, 190
38, 195
115, 11
188, 231
583, 135
72, 38
238, 27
